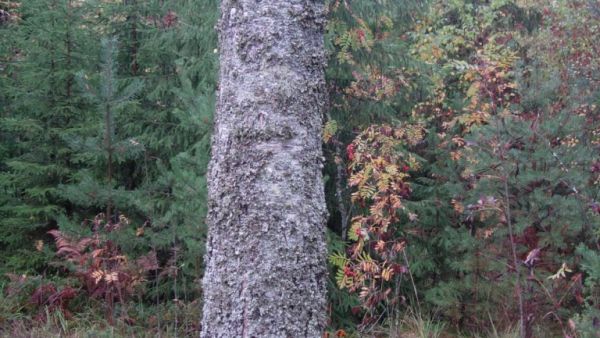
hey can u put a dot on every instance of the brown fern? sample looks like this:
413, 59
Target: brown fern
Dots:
104, 272
48, 297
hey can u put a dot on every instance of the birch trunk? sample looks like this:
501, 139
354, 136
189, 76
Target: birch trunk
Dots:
266, 252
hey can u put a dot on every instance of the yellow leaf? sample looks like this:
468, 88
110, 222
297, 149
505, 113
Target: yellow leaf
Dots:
97, 275
473, 89
111, 277
561, 273
329, 130
391, 169
387, 274
457, 206
436, 52
459, 141
353, 233
396, 202
124, 220
39, 245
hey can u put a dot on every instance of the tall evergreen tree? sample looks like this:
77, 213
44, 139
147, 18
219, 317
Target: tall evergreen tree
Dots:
50, 45
96, 144
162, 136
54, 159
266, 273
173, 121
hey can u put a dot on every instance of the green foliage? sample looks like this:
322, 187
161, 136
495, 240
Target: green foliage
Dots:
120, 127
96, 145
462, 145
42, 103
508, 185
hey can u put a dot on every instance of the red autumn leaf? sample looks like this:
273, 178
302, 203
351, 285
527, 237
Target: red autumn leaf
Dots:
350, 152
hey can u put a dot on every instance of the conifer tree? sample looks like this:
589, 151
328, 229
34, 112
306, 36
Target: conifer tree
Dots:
172, 121
96, 144
266, 272
50, 42
160, 138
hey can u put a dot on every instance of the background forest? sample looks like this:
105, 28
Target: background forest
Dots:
463, 166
